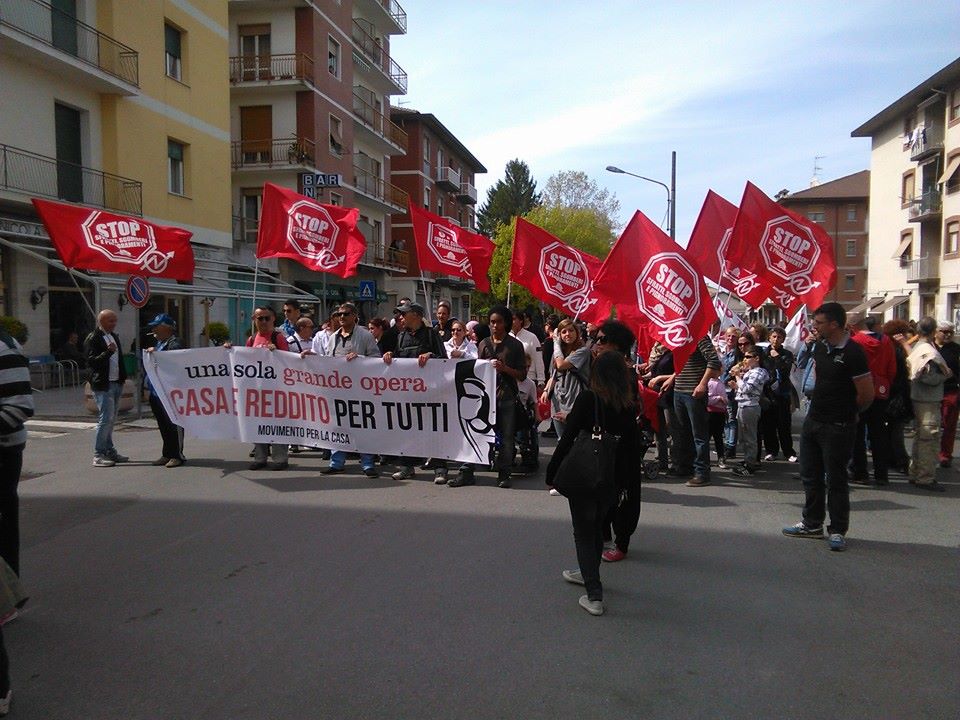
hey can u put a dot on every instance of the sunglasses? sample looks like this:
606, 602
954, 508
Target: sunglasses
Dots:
342, 314
602, 340
742, 343
751, 356
263, 318
458, 330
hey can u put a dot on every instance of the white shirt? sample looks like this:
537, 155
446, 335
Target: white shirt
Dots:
468, 347
114, 357
321, 342
531, 346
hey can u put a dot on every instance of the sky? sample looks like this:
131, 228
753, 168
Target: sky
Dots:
740, 90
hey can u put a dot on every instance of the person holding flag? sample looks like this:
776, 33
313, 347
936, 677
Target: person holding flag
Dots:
107, 376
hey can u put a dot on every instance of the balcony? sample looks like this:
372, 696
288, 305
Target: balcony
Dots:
379, 256
926, 207
394, 16
38, 33
386, 68
452, 221
376, 123
467, 194
34, 175
924, 269
367, 184
448, 179
277, 153
926, 140
258, 70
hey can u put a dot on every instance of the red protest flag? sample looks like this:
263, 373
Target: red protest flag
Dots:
708, 248
654, 284
90, 239
791, 253
559, 274
445, 247
321, 237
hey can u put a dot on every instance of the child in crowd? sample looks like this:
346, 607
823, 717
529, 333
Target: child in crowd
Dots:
717, 413
748, 379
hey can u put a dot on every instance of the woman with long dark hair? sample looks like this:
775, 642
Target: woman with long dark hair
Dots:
610, 385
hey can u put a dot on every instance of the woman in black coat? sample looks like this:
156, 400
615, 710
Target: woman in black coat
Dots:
610, 384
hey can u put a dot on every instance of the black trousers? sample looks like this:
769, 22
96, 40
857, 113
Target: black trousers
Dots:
588, 514
718, 421
172, 434
775, 427
872, 421
11, 462
623, 517
825, 449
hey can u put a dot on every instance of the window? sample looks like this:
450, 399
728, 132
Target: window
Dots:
336, 199
426, 156
849, 283
851, 213
818, 216
907, 189
255, 52
905, 250
378, 232
909, 123
175, 154
951, 175
173, 42
426, 198
955, 105
951, 245
336, 136
333, 57
851, 248
440, 207
250, 218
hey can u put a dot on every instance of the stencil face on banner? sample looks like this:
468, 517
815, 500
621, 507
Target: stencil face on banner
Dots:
565, 275
313, 233
668, 292
791, 252
446, 248
124, 240
744, 282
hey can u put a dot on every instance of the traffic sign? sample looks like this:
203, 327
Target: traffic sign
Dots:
138, 290
368, 290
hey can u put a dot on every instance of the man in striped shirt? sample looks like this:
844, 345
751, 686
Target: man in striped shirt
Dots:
691, 436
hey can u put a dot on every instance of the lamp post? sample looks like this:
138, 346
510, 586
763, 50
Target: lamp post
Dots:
671, 190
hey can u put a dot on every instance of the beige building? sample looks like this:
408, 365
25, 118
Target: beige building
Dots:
914, 249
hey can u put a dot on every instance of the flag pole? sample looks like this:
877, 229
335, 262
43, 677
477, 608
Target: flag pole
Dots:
426, 297
509, 291
253, 310
82, 295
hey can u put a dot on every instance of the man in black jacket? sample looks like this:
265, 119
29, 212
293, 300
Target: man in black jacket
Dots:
107, 375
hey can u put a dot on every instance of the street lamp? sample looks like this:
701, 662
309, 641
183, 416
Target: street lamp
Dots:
671, 190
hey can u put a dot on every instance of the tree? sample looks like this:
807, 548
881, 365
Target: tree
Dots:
575, 189
515, 195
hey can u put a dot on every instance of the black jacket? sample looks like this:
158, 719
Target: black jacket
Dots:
98, 359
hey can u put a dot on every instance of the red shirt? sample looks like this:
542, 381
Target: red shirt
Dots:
881, 359
275, 338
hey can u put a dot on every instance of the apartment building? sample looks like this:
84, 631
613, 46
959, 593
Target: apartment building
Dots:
310, 84
914, 254
438, 172
118, 105
841, 208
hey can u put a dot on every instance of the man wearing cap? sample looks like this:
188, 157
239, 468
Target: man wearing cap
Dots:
349, 342
415, 340
107, 375
164, 329
949, 407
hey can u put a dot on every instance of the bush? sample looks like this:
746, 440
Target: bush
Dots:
14, 328
217, 332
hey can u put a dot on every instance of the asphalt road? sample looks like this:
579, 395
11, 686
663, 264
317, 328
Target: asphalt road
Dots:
209, 591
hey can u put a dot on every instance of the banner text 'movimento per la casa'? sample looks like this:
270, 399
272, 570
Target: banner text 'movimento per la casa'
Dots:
445, 409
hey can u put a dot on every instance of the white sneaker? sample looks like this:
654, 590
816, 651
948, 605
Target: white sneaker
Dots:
554, 492
594, 607
99, 461
573, 576
792, 458
768, 457
5, 702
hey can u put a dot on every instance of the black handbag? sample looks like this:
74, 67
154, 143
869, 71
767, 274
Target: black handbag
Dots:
589, 466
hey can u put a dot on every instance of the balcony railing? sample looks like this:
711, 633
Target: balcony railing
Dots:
377, 121
62, 31
923, 268
398, 14
448, 178
926, 207
37, 175
380, 256
468, 193
374, 52
276, 152
369, 184
925, 140
268, 68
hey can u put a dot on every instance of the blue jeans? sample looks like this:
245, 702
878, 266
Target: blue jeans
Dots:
691, 436
825, 450
108, 402
338, 458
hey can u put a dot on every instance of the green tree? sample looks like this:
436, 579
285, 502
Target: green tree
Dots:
575, 189
515, 195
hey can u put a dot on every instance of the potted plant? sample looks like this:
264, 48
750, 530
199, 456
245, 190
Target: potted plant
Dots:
14, 328
217, 332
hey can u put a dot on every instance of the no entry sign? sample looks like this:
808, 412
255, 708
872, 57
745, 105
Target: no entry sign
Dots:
138, 290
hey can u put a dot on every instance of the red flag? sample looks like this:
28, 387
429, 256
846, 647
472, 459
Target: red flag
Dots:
708, 248
560, 275
90, 239
793, 254
321, 237
445, 247
654, 284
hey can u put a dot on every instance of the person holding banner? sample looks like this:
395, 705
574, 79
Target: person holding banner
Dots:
266, 336
164, 329
459, 345
107, 376
417, 340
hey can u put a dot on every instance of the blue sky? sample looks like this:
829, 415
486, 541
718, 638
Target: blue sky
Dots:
741, 90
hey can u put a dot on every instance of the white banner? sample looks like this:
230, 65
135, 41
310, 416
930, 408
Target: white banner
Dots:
728, 318
445, 409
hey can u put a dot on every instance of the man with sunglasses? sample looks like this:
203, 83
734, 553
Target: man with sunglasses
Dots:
266, 336
291, 313
349, 342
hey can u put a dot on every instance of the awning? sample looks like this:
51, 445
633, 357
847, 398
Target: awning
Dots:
887, 304
864, 306
902, 247
951, 168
